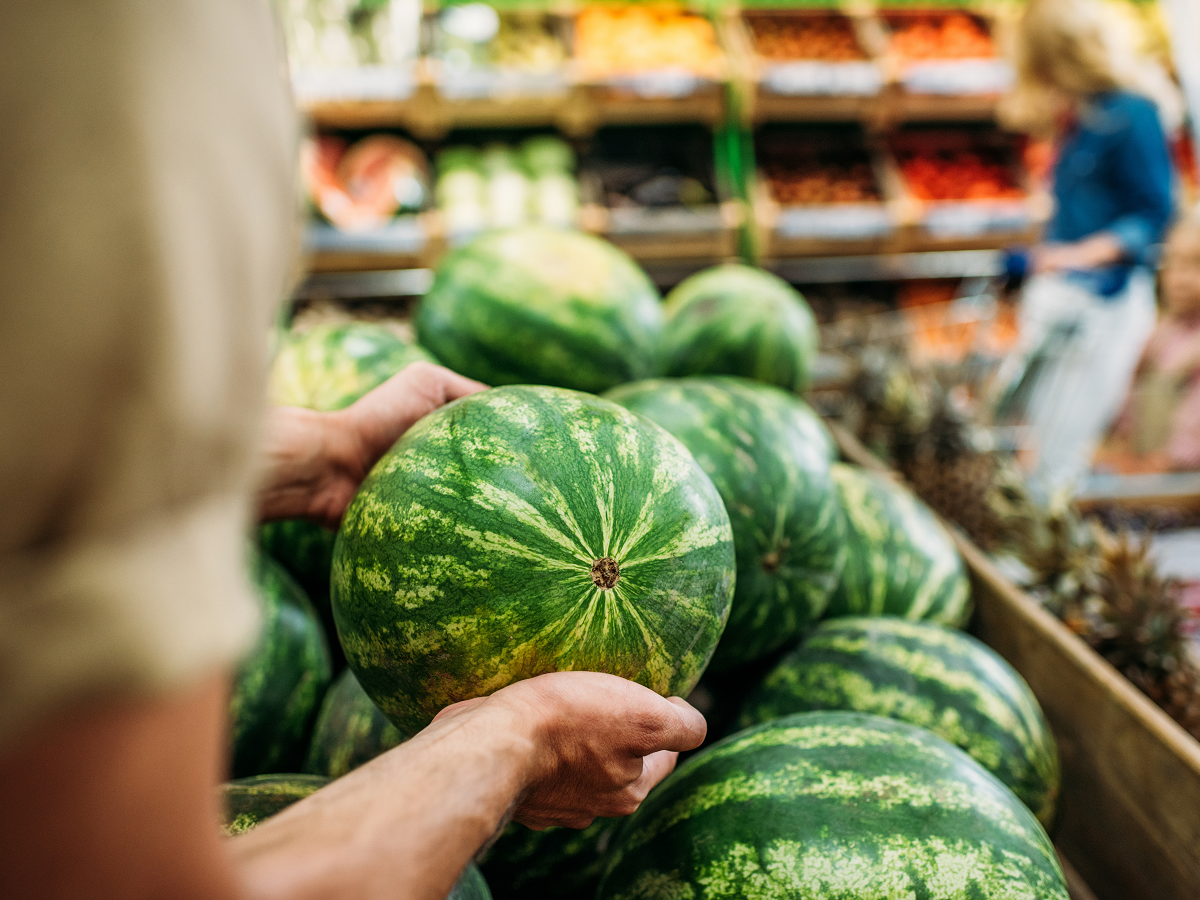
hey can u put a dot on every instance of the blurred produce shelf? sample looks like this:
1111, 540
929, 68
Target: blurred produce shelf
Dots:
891, 266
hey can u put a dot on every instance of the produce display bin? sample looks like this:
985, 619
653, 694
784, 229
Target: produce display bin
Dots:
627, 178
973, 194
1127, 819
946, 64
408, 242
823, 192
810, 64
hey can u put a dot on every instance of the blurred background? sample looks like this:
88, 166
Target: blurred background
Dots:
852, 148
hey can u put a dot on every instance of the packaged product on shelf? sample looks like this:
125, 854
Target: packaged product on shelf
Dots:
966, 183
821, 184
364, 186
352, 49
807, 53
481, 52
946, 53
655, 191
651, 49
503, 185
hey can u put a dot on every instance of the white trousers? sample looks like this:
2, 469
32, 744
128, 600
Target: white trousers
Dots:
1095, 343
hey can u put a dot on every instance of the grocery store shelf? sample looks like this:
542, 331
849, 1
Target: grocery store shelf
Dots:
370, 285
364, 285
891, 267
1177, 490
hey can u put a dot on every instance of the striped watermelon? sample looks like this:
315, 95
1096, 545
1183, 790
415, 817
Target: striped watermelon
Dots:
471, 885
525, 530
737, 320
327, 367
306, 551
765, 451
927, 675
249, 801
331, 365
901, 560
833, 805
555, 864
541, 306
280, 685
350, 730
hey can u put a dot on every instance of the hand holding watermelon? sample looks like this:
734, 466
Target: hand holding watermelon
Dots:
597, 743
316, 460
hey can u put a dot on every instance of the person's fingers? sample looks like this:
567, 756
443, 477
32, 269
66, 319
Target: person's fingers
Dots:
655, 768
456, 386
666, 724
694, 725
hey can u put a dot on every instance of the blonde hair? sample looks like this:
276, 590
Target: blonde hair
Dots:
1070, 50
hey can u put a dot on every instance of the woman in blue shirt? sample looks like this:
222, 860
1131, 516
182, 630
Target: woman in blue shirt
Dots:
1089, 306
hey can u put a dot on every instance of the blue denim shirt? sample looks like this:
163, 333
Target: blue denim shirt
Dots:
1114, 175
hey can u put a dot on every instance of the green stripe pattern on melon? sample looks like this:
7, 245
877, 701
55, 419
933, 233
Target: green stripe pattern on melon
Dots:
280, 684
525, 530
554, 864
832, 805
766, 452
541, 306
737, 320
329, 366
350, 730
250, 801
900, 561
927, 675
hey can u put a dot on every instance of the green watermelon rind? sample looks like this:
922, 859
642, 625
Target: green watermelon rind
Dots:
280, 684
331, 365
554, 864
927, 675
538, 305
465, 561
901, 561
737, 320
327, 367
768, 455
350, 730
832, 804
249, 801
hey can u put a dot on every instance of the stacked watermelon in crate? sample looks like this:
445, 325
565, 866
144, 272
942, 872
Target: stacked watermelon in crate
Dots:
644, 492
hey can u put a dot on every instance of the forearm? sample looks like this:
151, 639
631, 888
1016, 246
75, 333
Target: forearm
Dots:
403, 826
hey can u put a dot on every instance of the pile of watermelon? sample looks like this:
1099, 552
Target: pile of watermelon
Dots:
691, 530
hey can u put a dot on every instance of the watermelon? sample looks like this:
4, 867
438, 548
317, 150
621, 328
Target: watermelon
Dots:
331, 365
248, 801
471, 885
525, 530
738, 320
542, 306
327, 367
555, 864
280, 684
350, 730
833, 805
765, 451
305, 550
901, 561
927, 675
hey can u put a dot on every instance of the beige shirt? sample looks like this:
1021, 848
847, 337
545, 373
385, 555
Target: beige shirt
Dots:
146, 232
